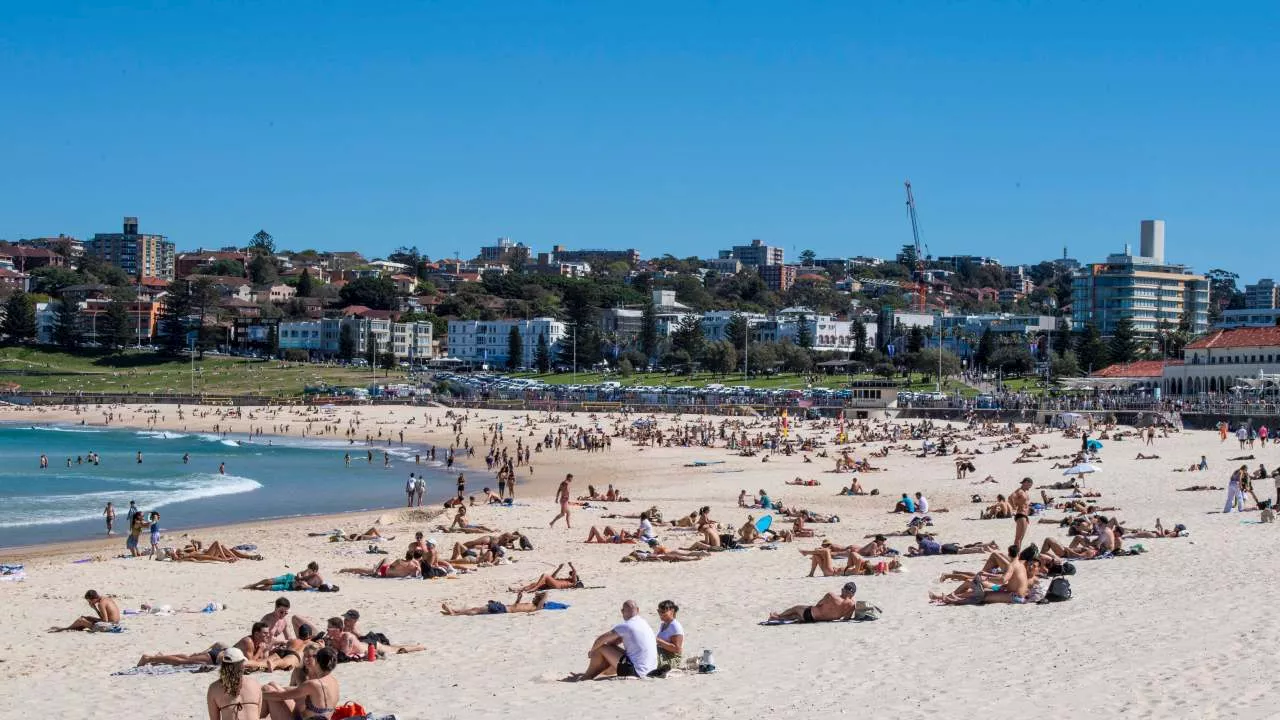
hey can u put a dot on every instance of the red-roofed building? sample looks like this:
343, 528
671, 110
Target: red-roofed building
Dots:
1212, 364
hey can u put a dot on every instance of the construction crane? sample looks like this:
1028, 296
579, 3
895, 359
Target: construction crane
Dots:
918, 276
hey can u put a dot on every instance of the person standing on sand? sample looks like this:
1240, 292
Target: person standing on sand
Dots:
562, 497
110, 514
1021, 504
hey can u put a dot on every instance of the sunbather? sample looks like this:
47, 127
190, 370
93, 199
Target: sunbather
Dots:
830, 607
397, 568
305, 580
551, 582
493, 607
608, 536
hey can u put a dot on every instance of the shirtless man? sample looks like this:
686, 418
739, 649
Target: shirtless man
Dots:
1014, 585
398, 568
256, 647
562, 497
105, 608
277, 621
876, 548
1020, 503
347, 644
830, 607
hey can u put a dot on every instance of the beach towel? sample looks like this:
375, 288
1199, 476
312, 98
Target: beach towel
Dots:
12, 573
153, 670
553, 605
106, 627
246, 548
797, 622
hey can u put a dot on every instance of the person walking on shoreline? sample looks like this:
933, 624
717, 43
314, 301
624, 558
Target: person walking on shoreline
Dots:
110, 514
562, 497
410, 487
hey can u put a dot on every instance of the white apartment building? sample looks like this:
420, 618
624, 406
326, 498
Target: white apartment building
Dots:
407, 341
486, 341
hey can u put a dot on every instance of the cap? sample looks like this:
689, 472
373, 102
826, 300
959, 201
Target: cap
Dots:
353, 614
231, 656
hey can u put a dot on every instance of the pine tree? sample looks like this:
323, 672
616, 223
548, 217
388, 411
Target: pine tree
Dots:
542, 354
515, 349
1090, 349
859, 339
1124, 345
173, 322
986, 346
649, 331
66, 329
804, 334
915, 339
347, 344
304, 284
19, 318
117, 327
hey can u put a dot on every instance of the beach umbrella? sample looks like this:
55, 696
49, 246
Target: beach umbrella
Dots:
1081, 469
1094, 445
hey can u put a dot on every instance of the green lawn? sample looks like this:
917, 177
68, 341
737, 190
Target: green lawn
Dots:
143, 372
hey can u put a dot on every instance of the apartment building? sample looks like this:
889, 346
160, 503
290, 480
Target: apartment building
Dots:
486, 341
140, 255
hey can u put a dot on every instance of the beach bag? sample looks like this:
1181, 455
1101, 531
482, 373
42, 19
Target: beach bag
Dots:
525, 543
864, 612
1059, 590
349, 710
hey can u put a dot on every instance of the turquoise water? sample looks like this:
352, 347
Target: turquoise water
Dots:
285, 478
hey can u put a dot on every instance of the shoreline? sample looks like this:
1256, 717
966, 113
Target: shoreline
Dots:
113, 544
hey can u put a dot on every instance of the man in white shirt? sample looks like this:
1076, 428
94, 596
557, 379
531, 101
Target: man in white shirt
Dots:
922, 504
630, 649
409, 487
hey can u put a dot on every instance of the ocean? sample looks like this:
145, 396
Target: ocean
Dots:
266, 477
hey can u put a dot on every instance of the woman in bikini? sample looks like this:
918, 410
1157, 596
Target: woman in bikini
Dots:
313, 699
551, 582
233, 696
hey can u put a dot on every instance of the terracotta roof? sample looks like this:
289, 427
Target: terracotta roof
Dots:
1139, 369
1239, 337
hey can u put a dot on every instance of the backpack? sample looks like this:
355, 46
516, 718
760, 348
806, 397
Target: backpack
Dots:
1059, 590
349, 710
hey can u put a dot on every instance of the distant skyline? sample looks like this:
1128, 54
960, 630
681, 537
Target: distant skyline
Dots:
668, 127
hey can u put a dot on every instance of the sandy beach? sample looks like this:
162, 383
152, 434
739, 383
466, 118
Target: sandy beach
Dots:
1172, 633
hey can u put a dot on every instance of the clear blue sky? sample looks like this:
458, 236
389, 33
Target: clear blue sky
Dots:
678, 127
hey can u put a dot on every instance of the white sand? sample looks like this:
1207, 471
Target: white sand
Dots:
1181, 632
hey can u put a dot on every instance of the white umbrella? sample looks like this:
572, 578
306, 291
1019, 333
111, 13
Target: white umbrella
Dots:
1081, 469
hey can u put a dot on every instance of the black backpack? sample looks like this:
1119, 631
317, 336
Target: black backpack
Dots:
1059, 590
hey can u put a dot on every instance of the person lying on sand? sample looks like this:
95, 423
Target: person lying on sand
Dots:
1140, 456
1199, 488
105, 611
876, 548
926, 545
305, 580
207, 657
831, 607
1178, 530
552, 581
340, 536
1081, 548
803, 483
216, 552
658, 553
821, 559
493, 607
609, 536
481, 554
398, 568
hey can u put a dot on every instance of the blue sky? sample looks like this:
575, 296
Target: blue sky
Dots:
678, 127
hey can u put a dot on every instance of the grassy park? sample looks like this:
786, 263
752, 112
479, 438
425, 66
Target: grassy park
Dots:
37, 369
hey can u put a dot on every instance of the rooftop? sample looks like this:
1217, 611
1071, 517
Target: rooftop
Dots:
1139, 369
1239, 337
